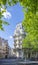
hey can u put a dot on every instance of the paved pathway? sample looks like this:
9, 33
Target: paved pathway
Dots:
29, 63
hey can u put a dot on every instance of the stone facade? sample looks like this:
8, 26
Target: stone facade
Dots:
4, 48
11, 52
19, 34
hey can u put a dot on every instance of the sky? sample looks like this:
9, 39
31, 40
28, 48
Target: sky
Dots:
13, 15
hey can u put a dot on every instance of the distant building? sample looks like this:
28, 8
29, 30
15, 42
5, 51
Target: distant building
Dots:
11, 52
19, 34
4, 48
9, 55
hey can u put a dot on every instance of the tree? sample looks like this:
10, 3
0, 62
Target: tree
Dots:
30, 22
2, 10
3, 6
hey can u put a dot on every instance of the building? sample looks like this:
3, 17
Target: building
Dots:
11, 53
19, 34
4, 48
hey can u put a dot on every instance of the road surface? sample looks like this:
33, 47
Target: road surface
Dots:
17, 62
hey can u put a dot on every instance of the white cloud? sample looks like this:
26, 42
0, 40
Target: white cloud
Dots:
6, 14
11, 37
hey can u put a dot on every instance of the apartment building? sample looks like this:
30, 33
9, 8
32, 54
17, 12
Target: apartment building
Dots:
19, 34
11, 53
4, 48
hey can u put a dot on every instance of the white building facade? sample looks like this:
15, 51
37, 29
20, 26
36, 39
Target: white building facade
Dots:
19, 34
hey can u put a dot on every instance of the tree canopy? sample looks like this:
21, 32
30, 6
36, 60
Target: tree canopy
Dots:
2, 10
30, 23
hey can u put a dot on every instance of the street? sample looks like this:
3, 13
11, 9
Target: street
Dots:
17, 62
8, 62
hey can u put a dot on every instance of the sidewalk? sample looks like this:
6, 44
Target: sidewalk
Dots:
28, 62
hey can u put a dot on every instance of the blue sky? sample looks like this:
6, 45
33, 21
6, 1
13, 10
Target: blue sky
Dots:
17, 16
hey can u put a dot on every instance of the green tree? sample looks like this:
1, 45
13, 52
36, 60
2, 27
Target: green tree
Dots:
2, 10
3, 5
30, 22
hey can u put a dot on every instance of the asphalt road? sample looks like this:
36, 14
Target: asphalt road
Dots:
8, 62
16, 62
